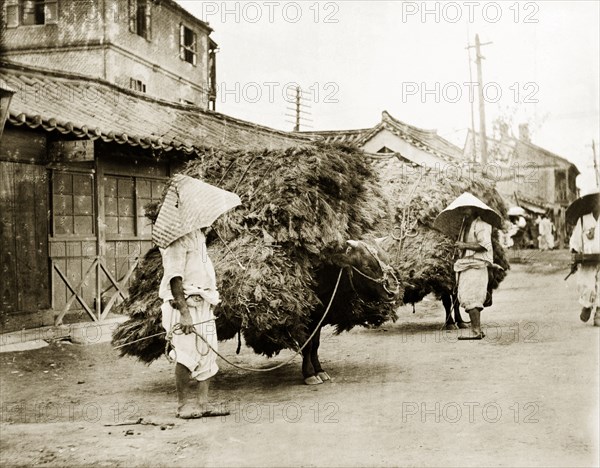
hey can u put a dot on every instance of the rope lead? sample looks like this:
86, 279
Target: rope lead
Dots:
177, 327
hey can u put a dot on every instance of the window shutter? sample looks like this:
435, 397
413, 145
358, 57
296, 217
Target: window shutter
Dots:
132, 16
12, 14
51, 12
148, 20
182, 41
195, 49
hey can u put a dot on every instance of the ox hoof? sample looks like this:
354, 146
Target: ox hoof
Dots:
313, 380
324, 376
450, 326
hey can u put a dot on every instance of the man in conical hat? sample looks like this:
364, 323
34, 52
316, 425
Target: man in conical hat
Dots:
189, 288
585, 239
470, 221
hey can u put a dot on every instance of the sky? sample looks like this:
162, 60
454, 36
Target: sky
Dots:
355, 59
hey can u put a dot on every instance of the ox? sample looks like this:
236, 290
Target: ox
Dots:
368, 280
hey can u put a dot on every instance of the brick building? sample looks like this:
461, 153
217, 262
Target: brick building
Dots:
111, 97
151, 46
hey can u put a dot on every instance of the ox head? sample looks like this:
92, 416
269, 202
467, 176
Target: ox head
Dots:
371, 274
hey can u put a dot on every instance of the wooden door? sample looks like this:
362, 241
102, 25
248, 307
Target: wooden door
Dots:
23, 238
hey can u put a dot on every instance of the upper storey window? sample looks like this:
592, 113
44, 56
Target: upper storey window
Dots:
187, 45
140, 18
137, 85
30, 12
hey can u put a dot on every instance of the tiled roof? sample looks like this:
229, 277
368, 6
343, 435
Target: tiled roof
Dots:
427, 140
521, 149
97, 109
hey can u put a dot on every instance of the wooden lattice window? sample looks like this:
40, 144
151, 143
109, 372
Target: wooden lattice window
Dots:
148, 191
119, 205
125, 199
73, 204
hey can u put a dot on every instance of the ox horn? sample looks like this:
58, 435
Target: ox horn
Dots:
352, 243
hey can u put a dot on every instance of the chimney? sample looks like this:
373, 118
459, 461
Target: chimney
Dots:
524, 132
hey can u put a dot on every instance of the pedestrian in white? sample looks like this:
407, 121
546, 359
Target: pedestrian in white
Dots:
585, 240
189, 288
468, 220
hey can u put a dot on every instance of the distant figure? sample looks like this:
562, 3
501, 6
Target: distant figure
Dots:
546, 237
507, 233
518, 231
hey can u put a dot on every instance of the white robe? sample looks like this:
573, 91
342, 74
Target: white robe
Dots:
187, 257
586, 239
471, 269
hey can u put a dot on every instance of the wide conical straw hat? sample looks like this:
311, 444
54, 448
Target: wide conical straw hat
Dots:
582, 206
450, 220
189, 204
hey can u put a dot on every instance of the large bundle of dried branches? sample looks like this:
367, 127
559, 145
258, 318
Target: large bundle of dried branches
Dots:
423, 256
299, 207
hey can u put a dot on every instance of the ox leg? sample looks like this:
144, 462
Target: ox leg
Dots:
314, 357
308, 371
447, 302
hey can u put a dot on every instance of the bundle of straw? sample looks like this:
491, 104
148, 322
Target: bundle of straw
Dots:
423, 256
299, 207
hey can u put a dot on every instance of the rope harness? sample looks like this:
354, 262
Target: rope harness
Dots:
176, 330
387, 271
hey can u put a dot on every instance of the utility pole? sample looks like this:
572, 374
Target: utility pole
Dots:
473, 136
483, 136
596, 170
297, 126
299, 108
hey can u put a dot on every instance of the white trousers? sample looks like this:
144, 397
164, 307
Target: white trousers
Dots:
190, 350
472, 288
588, 284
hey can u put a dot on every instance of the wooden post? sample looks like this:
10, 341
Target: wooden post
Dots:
596, 169
481, 103
100, 231
482, 133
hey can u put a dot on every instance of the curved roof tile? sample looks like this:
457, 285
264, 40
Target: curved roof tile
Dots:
97, 109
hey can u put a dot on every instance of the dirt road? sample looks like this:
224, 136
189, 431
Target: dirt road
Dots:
406, 394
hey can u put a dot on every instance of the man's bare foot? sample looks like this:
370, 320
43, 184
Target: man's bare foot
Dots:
204, 411
212, 410
189, 411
